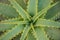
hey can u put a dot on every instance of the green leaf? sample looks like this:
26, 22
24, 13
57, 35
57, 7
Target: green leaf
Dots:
16, 22
43, 4
48, 23
25, 32
12, 20
53, 11
43, 11
4, 27
22, 3
56, 17
53, 33
8, 11
8, 25
40, 33
30, 36
11, 33
21, 11
32, 7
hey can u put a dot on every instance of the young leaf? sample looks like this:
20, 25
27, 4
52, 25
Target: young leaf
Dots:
30, 36
25, 32
32, 7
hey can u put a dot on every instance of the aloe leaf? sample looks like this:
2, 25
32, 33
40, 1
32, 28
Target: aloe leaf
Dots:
25, 32
43, 4
32, 7
11, 20
44, 11
8, 25
40, 33
16, 22
48, 23
22, 3
4, 27
53, 33
56, 17
21, 11
30, 36
8, 11
11, 33
53, 11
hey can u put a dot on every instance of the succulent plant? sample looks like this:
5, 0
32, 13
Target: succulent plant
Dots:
30, 20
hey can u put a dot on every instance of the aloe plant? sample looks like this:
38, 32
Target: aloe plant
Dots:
29, 20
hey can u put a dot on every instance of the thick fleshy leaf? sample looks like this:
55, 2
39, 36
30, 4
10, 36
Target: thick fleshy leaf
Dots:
4, 27
9, 24
40, 34
53, 11
22, 3
25, 32
43, 3
12, 20
21, 11
48, 23
56, 17
11, 33
16, 22
32, 7
8, 11
43, 11
53, 33
30, 36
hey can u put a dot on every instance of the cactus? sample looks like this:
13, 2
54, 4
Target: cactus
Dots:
30, 20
